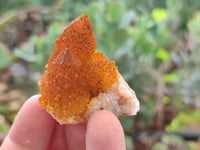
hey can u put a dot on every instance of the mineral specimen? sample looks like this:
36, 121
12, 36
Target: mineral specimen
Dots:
79, 82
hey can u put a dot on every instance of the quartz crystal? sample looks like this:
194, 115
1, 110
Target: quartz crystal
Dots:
79, 81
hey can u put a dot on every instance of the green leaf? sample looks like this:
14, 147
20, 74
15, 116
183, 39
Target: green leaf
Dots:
6, 19
166, 100
168, 139
95, 8
24, 55
160, 146
159, 14
127, 18
163, 55
125, 48
12, 117
116, 11
172, 77
4, 57
27, 52
194, 24
5, 109
119, 36
40, 43
129, 142
3, 128
183, 120
53, 32
101, 20
127, 122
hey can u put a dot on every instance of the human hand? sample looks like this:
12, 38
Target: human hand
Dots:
35, 129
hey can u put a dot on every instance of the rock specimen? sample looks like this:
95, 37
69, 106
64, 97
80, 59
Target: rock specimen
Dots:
79, 81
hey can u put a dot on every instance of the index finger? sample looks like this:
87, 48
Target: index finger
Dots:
31, 129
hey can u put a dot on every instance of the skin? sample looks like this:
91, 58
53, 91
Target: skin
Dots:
34, 128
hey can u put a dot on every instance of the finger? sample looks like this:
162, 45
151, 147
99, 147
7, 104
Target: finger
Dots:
75, 135
58, 140
104, 132
32, 128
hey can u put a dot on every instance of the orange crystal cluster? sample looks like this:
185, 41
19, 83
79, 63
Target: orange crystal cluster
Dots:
75, 74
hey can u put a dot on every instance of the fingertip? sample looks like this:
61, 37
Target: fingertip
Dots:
34, 100
104, 131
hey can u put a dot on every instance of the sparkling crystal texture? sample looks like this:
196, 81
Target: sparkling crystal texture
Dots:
75, 74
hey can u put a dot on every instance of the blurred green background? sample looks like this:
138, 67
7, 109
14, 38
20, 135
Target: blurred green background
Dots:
156, 46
